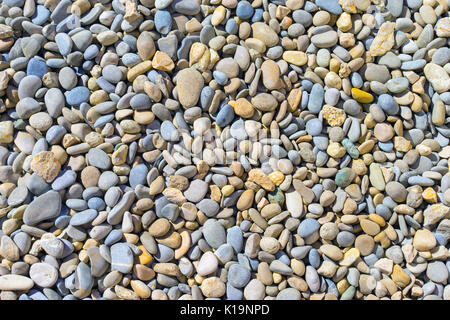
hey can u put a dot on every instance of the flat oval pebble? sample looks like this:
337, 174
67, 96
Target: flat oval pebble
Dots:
15, 282
238, 275
43, 274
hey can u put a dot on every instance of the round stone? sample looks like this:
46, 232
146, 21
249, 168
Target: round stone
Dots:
437, 272
213, 287
43, 274
396, 191
254, 290
244, 10
314, 127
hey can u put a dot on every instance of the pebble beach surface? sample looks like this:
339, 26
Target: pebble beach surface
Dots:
224, 149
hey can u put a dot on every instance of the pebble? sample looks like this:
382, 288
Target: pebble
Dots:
424, 240
307, 227
36, 67
38, 210
43, 274
189, 85
99, 159
244, 10
316, 98
396, 191
388, 104
238, 275
437, 272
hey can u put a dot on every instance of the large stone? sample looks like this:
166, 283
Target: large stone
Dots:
213, 287
435, 213
271, 75
145, 46
44, 207
189, 86
424, 240
294, 204
43, 274
46, 165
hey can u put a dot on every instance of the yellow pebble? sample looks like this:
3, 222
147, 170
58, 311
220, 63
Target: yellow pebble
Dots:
215, 193
227, 190
378, 199
90, 243
359, 167
424, 150
242, 107
141, 289
191, 282
361, 96
214, 57
334, 116
139, 69
218, 15
199, 279
83, 256
196, 52
306, 138
145, 257
369, 121
342, 286
162, 61
429, 195
98, 96
383, 239
199, 57
349, 6
80, 6
294, 99
277, 277
297, 58
334, 65
377, 219
119, 156
402, 144
366, 146
344, 23
400, 277
335, 150
277, 177
349, 257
